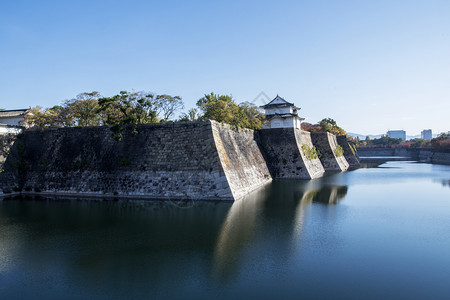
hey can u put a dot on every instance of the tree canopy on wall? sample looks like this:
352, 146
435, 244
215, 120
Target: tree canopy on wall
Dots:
222, 108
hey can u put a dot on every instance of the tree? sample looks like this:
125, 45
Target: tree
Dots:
51, 117
84, 109
223, 109
168, 105
418, 143
136, 108
330, 126
209, 98
325, 125
441, 142
129, 108
60, 116
217, 107
191, 115
248, 116
91, 109
79, 111
386, 140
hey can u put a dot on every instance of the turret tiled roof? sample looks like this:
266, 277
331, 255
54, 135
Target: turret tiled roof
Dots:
277, 102
12, 113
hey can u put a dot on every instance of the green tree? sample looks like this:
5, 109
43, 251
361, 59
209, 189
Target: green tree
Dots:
418, 143
330, 126
40, 118
168, 105
386, 140
84, 109
249, 117
217, 107
60, 116
129, 108
222, 108
191, 115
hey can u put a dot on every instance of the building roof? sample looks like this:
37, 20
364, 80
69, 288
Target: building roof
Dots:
12, 113
277, 102
282, 116
396, 131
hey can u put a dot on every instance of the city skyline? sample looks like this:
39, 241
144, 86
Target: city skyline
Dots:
369, 66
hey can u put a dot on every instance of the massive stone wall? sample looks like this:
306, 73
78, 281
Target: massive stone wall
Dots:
327, 144
350, 153
164, 161
241, 158
193, 160
282, 148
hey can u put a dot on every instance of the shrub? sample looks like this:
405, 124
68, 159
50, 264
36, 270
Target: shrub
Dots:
338, 151
311, 153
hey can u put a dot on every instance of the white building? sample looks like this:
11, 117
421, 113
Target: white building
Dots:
426, 134
397, 134
11, 121
281, 114
12, 117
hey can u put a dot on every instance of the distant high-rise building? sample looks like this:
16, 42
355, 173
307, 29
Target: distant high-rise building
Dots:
426, 134
397, 134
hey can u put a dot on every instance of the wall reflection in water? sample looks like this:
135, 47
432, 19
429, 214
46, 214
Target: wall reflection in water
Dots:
275, 216
112, 248
105, 247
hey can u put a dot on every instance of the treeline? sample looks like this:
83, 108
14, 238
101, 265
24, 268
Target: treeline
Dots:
325, 125
92, 109
440, 142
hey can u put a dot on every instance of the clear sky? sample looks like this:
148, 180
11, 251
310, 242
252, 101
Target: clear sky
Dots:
370, 65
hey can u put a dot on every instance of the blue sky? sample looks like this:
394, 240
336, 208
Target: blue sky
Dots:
370, 65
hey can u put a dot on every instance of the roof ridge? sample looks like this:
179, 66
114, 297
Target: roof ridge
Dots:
19, 109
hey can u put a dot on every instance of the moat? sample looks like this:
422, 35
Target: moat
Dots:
378, 232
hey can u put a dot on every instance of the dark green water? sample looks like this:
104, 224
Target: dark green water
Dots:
373, 233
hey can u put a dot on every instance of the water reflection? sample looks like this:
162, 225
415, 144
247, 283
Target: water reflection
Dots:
117, 245
291, 239
109, 245
443, 182
274, 215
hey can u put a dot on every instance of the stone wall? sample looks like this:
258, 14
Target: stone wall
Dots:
241, 158
350, 153
163, 161
435, 156
327, 144
6, 142
8, 181
314, 166
442, 158
193, 160
282, 148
